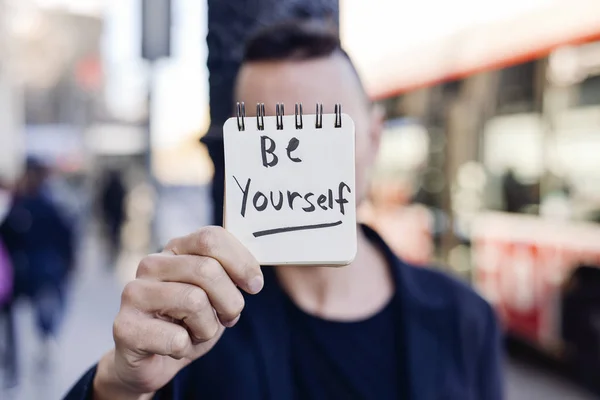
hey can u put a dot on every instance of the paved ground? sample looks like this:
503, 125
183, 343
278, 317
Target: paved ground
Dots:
525, 381
87, 334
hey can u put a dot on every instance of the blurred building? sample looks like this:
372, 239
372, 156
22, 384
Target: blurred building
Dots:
11, 105
494, 127
54, 60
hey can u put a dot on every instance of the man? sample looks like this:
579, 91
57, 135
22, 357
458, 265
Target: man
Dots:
376, 329
113, 211
39, 241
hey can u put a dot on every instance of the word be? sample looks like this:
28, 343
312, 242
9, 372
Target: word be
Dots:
270, 151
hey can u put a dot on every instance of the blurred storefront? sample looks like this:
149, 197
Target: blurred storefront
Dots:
53, 60
506, 103
12, 148
11, 106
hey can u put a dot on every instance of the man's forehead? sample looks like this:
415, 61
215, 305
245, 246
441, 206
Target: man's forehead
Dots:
326, 80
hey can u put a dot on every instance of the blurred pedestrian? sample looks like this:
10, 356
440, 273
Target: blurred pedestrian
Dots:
113, 210
39, 241
7, 353
7, 350
6, 276
516, 194
6, 268
580, 311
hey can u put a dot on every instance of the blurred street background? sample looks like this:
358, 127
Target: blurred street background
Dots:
87, 333
489, 167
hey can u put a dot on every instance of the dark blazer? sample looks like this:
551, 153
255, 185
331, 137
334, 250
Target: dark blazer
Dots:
452, 345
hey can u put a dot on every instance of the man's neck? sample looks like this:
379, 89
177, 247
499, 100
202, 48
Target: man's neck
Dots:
349, 293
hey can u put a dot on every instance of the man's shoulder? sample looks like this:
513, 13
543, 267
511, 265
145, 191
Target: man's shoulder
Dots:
429, 288
438, 289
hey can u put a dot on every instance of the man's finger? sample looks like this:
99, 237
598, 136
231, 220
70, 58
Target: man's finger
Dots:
204, 272
217, 243
143, 335
183, 303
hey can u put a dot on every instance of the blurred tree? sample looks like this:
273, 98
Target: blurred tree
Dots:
229, 25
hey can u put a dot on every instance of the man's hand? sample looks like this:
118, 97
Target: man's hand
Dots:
175, 311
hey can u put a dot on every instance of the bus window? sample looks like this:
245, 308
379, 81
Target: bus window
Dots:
517, 89
513, 156
589, 91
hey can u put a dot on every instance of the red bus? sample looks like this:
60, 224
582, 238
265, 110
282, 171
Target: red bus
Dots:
491, 159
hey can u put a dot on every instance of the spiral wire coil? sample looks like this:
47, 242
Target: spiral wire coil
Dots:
280, 112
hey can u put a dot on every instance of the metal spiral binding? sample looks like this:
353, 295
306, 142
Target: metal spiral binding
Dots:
298, 116
338, 116
241, 114
260, 116
279, 112
319, 116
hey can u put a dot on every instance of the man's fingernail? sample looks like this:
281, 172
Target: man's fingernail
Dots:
232, 323
256, 284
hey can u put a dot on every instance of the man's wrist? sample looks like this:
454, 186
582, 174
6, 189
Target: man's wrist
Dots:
107, 385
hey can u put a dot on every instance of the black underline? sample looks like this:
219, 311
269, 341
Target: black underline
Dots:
295, 228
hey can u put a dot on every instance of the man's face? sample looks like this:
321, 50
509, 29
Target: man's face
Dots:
328, 80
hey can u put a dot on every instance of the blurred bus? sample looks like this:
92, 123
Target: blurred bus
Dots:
500, 142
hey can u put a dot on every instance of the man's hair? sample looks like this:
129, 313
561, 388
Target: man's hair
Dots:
293, 40
296, 40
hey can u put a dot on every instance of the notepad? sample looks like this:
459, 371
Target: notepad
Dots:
290, 185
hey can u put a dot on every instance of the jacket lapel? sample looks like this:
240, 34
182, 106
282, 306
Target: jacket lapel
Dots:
421, 323
272, 338
423, 329
425, 360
